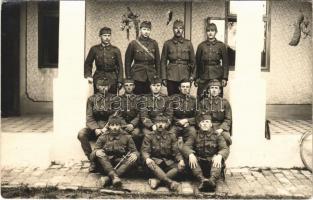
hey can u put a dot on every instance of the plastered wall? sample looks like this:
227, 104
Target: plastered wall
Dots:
288, 82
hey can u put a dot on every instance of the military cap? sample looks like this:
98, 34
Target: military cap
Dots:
215, 82
105, 30
156, 80
178, 23
146, 24
211, 26
161, 118
203, 116
128, 80
102, 81
115, 120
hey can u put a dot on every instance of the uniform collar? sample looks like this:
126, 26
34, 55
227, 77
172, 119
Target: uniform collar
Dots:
178, 39
208, 42
105, 45
205, 133
160, 135
215, 99
114, 136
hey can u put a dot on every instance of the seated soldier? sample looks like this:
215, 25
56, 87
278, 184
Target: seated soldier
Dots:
153, 105
116, 148
219, 109
130, 113
160, 153
97, 114
206, 152
184, 111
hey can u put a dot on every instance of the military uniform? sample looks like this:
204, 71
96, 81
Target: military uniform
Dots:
110, 149
161, 147
211, 59
184, 107
177, 61
152, 106
146, 63
108, 62
99, 108
204, 145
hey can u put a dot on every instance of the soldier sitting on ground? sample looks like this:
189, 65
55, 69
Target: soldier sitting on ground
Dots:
160, 153
219, 109
116, 148
97, 115
153, 105
206, 152
184, 111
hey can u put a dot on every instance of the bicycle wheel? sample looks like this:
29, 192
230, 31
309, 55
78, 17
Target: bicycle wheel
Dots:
306, 150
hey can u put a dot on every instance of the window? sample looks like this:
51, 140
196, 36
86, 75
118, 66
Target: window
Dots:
231, 24
48, 34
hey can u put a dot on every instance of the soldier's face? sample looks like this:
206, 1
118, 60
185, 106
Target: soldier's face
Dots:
178, 31
161, 126
103, 88
105, 38
129, 87
115, 127
185, 88
155, 88
145, 32
211, 33
215, 90
205, 125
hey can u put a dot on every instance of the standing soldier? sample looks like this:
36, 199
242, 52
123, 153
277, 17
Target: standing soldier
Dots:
153, 105
219, 109
211, 60
206, 152
98, 112
108, 62
177, 60
116, 152
146, 56
184, 111
130, 113
160, 153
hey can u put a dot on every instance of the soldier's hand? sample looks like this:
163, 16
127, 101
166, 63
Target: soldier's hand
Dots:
129, 127
193, 163
164, 82
119, 85
150, 163
181, 165
98, 132
224, 83
219, 131
132, 158
154, 128
104, 130
90, 80
217, 161
186, 125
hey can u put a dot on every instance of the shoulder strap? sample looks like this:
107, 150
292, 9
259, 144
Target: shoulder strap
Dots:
144, 48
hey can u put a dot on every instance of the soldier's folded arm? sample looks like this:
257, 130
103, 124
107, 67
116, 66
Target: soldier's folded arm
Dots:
192, 121
88, 63
227, 116
225, 62
164, 61
119, 64
145, 120
188, 146
91, 122
129, 57
176, 152
131, 146
223, 149
146, 147
135, 121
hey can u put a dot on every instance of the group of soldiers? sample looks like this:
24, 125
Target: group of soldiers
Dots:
145, 127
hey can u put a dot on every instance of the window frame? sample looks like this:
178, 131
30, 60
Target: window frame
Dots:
46, 9
266, 19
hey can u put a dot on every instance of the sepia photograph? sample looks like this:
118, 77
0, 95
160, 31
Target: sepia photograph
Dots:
155, 99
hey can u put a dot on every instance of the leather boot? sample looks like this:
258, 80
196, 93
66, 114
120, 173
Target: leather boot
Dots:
204, 183
154, 183
173, 186
215, 174
116, 181
92, 167
105, 181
